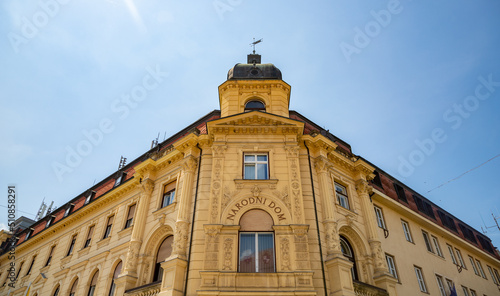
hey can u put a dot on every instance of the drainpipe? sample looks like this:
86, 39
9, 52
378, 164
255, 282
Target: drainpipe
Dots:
317, 222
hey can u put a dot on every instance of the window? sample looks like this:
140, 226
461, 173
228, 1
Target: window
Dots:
468, 233
118, 270
485, 244
437, 246
50, 221
120, 178
89, 237
472, 293
450, 284
93, 283
19, 271
28, 234
447, 221
107, 231
440, 283
50, 255
68, 210
130, 216
473, 265
424, 207
406, 230
164, 251
56, 292
492, 275
90, 196
31, 265
255, 105
73, 288
420, 279
347, 251
452, 255
400, 192
480, 269
168, 194
427, 242
256, 252
71, 245
466, 291
391, 265
459, 257
341, 193
496, 275
380, 217
256, 166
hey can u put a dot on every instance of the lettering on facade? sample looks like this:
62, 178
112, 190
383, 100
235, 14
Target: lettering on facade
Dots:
253, 201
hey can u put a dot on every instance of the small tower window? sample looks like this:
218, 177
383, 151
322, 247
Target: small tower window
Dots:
255, 105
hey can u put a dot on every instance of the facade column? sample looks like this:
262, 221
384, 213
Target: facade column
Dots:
128, 277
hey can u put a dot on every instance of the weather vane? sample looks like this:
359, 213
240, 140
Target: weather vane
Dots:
254, 43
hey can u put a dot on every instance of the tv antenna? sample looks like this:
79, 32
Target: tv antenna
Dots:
154, 143
254, 43
123, 161
495, 218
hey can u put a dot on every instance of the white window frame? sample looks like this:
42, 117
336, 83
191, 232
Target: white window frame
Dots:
342, 197
473, 265
480, 268
492, 275
437, 246
391, 264
256, 233
255, 163
406, 231
465, 290
420, 279
380, 217
460, 258
427, 241
472, 293
442, 290
452, 254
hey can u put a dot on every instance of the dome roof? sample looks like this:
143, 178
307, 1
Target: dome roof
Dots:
254, 70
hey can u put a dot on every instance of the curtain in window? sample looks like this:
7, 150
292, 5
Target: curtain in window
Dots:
247, 252
266, 252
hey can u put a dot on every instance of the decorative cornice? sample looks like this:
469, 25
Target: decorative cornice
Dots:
255, 123
250, 86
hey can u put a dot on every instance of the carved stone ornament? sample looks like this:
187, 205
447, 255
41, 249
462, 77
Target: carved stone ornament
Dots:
378, 255
180, 238
283, 196
218, 151
256, 191
147, 186
132, 256
285, 254
363, 187
321, 164
332, 238
292, 151
190, 164
228, 253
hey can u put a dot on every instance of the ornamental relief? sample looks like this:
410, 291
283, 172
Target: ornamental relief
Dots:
273, 206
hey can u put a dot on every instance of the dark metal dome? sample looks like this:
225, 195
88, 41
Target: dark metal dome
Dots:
254, 70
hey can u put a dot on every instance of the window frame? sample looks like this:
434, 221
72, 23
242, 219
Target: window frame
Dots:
31, 265
379, 214
49, 258
427, 241
68, 210
407, 231
437, 246
342, 196
392, 269
109, 227
90, 232
170, 194
71, 245
249, 109
460, 258
441, 287
129, 221
255, 163
452, 254
420, 279
474, 267
256, 248
492, 275
480, 269
465, 290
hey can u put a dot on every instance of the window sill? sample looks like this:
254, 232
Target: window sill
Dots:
103, 242
83, 251
240, 183
66, 259
45, 268
165, 210
125, 232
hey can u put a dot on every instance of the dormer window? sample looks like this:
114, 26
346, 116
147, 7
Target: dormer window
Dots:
120, 179
90, 196
68, 210
255, 105
50, 221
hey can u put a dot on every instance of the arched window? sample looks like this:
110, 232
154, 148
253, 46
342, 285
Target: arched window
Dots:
256, 242
93, 283
255, 105
347, 251
118, 270
73, 288
56, 292
164, 252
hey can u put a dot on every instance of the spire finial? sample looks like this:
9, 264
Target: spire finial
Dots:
254, 43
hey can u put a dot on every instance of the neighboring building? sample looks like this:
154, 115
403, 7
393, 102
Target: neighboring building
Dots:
253, 199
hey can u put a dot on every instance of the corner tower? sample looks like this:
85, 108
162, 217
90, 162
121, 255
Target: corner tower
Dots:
254, 86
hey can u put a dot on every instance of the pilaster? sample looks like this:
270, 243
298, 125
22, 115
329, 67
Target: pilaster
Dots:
339, 274
174, 270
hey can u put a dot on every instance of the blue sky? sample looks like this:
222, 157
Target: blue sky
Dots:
413, 86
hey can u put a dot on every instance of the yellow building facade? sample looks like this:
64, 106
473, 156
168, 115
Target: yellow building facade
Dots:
253, 199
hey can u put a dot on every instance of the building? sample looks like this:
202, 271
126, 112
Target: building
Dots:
253, 199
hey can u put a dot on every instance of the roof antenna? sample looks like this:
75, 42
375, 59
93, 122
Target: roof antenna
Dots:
41, 211
255, 42
154, 143
123, 161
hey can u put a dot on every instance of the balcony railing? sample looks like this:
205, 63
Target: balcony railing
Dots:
362, 289
146, 290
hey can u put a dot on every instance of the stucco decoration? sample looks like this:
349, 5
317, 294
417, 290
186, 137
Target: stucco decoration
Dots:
237, 207
228, 253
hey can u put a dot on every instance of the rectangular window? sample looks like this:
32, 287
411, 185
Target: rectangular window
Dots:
496, 275
256, 167
89, 197
420, 279
28, 234
400, 192
380, 217
480, 269
392, 265
71, 245
452, 255
68, 210
341, 193
492, 275
168, 194
473, 265
31, 265
466, 291
256, 252
440, 283
427, 242
19, 271
107, 231
437, 246
120, 178
130, 216
50, 255
459, 257
50, 221
447, 221
406, 230
89, 237
472, 293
